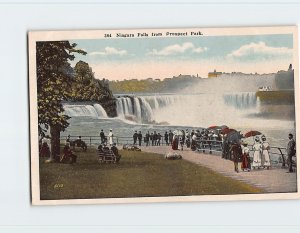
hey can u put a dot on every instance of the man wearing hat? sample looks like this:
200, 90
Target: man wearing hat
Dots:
135, 136
140, 137
291, 151
170, 137
236, 152
102, 137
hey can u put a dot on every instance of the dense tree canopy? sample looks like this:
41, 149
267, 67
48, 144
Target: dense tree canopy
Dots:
54, 85
86, 87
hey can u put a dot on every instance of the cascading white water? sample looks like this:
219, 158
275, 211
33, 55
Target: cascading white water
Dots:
100, 110
138, 110
120, 109
125, 105
96, 110
147, 112
197, 109
129, 104
241, 101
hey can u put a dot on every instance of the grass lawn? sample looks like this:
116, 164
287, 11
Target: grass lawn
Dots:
139, 174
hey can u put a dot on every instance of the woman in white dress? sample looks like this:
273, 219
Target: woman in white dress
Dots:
110, 137
257, 153
265, 146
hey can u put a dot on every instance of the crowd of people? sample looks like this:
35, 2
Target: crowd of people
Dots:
232, 148
177, 140
238, 151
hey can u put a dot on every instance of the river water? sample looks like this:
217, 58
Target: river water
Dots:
163, 112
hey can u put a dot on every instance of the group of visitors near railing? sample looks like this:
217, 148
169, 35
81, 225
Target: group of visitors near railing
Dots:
231, 144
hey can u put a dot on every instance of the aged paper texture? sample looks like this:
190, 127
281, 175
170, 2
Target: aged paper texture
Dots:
163, 115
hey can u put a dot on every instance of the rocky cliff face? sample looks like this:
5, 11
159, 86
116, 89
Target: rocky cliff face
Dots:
110, 106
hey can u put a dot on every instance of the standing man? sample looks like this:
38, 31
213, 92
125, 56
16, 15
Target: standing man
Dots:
158, 139
110, 137
102, 137
291, 151
147, 137
166, 138
140, 137
155, 138
236, 152
152, 139
170, 137
135, 136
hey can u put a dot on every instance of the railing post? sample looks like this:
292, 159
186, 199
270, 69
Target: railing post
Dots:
283, 159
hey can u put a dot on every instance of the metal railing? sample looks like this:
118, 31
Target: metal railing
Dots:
94, 140
203, 145
217, 147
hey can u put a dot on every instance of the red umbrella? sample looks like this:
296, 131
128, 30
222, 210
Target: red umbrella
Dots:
212, 127
252, 133
227, 131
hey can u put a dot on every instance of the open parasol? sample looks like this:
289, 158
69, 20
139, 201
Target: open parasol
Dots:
227, 130
223, 127
212, 127
252, 133
234, 136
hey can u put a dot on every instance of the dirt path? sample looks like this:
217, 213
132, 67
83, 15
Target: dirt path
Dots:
272, 181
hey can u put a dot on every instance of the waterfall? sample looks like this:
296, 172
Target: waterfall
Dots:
241, 100
129, 104
100, 111
75, 110
176, 109
147, 113
138, 112
120, 110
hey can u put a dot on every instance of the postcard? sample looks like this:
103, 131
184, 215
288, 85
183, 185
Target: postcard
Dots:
163, 115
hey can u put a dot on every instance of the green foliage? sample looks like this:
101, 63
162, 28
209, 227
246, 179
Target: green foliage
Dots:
54, 81
86, 87
152, 85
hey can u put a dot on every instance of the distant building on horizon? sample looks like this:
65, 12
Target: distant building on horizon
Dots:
214, 74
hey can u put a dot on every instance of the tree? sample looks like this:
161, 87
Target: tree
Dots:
54, 74
86, 87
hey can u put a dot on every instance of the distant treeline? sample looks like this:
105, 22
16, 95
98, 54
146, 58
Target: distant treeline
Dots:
153, 85
226, 82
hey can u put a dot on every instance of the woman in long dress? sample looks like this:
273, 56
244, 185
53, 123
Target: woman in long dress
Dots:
265, 146
257, 153
246, 166
110, 137
175, 142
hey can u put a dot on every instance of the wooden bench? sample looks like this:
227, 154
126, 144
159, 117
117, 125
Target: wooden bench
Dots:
106, 156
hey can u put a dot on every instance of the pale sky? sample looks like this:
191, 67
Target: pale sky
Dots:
140, 58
